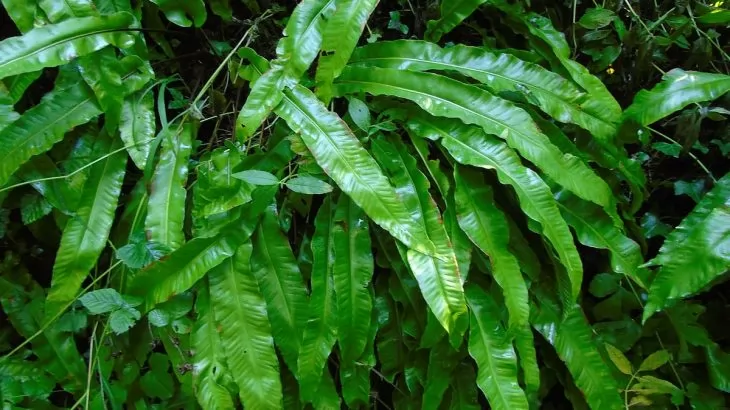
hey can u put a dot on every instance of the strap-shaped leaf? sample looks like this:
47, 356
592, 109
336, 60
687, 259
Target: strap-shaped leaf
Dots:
555, 95
86, 233
56, 44
595, 229
339, 153
39, 128
470, 146
438, 278
21, 12
245, 333
352, 271
166, 213
320, 332
103, 72
7, 111
209, 362
572, 338
677, 89
58, 11
137, 126
295, 53
487, 227
276, 271
695, 253
496, 359
443, 96
453, 12
442, 359
180, 270
339, 38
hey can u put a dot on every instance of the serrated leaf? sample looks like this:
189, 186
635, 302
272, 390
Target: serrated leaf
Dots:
698, 245
487, 227
56, 44
245, 332
438, 279
443, 96
453, 12
495, 358
678, 89
140, 252
276, 271
208, 362
320, 331
166, 208
137, 126
120, 321
506, 73
256, 177
101, 301
309, 185
339, 38
470, 146
85, 234
40, 127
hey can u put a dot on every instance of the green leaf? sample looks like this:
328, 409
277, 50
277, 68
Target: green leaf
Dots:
655, 361
56, 44
487, 227
619, 360
23, 13
103, 72
470, 146
503, 73
86, 233
693, 189
7, 113
166, 209
352, 271
493, 353
443, 96
359, 112
677, 90
58, 11
245, 332
180, 12
33, 208
596, 18
603, 284
209, 358
137, 126
120, 321
718, 367
442, 360
256, 177
438, 278
276, 271
666, 148
140, 252
40, 127
309, 185
595, 229
295, 53
102, 301
339, 38
572, 338
320, 331
453, 12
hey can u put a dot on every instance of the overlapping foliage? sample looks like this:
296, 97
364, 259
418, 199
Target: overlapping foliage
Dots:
362, 204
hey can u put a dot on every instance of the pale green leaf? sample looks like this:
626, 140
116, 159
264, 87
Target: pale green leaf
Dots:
309, 185
256, 177
655, 361
619, 360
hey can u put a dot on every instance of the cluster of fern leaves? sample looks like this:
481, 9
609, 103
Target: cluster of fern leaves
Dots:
341, 203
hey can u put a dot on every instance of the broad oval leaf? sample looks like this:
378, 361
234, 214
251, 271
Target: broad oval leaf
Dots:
276, 271
443, 96
619, 360
320, 331
86, 233
453, 12
493, 353
309, 185
438, 278
166, 209
256, 177
504, 72
470, 146
700, 245
677, 89
56, 44
245, 333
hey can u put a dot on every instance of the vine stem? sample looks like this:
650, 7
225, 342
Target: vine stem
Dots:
691, 155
